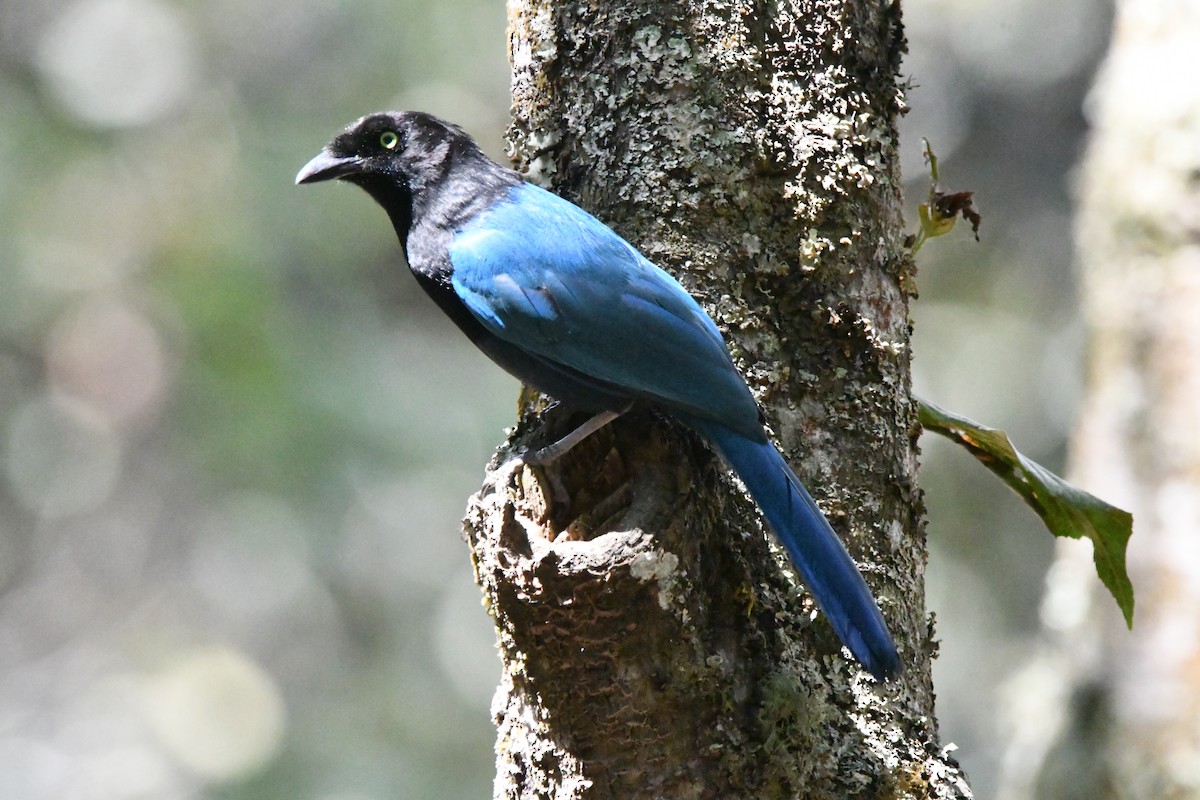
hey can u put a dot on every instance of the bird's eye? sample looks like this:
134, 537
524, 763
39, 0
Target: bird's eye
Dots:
389, 140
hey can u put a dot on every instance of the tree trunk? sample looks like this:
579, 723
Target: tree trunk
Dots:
1115, 712
654, 645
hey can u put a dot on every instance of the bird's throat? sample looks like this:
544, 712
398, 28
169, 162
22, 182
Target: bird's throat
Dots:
396, 200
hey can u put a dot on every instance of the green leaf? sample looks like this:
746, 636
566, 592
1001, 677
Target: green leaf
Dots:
1066, 509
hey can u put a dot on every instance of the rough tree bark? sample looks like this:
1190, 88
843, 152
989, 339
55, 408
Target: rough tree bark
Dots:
1114, 713
653, 643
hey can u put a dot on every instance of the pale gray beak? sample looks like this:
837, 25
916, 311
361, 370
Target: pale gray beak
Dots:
327, 166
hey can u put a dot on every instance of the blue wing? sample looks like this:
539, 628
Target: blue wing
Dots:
547, 277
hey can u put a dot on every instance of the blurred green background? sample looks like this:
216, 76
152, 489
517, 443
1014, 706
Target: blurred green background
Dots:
236, 442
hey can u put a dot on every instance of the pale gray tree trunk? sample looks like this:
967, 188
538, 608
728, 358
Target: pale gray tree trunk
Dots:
1114, 713
653, 644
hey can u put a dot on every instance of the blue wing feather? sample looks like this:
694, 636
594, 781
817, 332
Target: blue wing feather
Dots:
547, 276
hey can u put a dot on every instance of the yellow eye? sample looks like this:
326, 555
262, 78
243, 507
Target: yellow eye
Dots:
389, 140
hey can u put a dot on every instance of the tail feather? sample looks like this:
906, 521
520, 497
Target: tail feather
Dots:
815, 549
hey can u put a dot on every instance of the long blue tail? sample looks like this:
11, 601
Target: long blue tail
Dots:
815, 549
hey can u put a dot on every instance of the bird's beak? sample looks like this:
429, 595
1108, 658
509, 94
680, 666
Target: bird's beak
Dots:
327, 166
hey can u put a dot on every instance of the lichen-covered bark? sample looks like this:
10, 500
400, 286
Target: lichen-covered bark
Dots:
1114, 712
654, 646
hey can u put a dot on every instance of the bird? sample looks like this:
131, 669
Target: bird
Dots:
559, 300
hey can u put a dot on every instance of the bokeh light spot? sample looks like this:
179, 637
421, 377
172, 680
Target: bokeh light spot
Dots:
217, 713
61, 459
110, 356
117, 63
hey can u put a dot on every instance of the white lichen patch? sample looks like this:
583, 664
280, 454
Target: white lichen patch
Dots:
659, 566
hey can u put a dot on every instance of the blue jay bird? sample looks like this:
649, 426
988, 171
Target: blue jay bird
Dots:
567, 306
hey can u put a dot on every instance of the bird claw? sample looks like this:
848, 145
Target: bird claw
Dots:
540, 456
511, 464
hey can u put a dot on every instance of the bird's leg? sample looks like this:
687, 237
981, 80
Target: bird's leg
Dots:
553, 451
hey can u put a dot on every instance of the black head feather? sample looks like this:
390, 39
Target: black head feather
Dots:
412, 163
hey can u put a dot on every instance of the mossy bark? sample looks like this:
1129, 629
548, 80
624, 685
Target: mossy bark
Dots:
654, 642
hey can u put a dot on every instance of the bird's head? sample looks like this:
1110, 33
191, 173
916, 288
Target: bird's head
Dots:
406, 160
404, 148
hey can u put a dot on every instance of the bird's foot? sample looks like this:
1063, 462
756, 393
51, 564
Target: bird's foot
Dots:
555, 450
